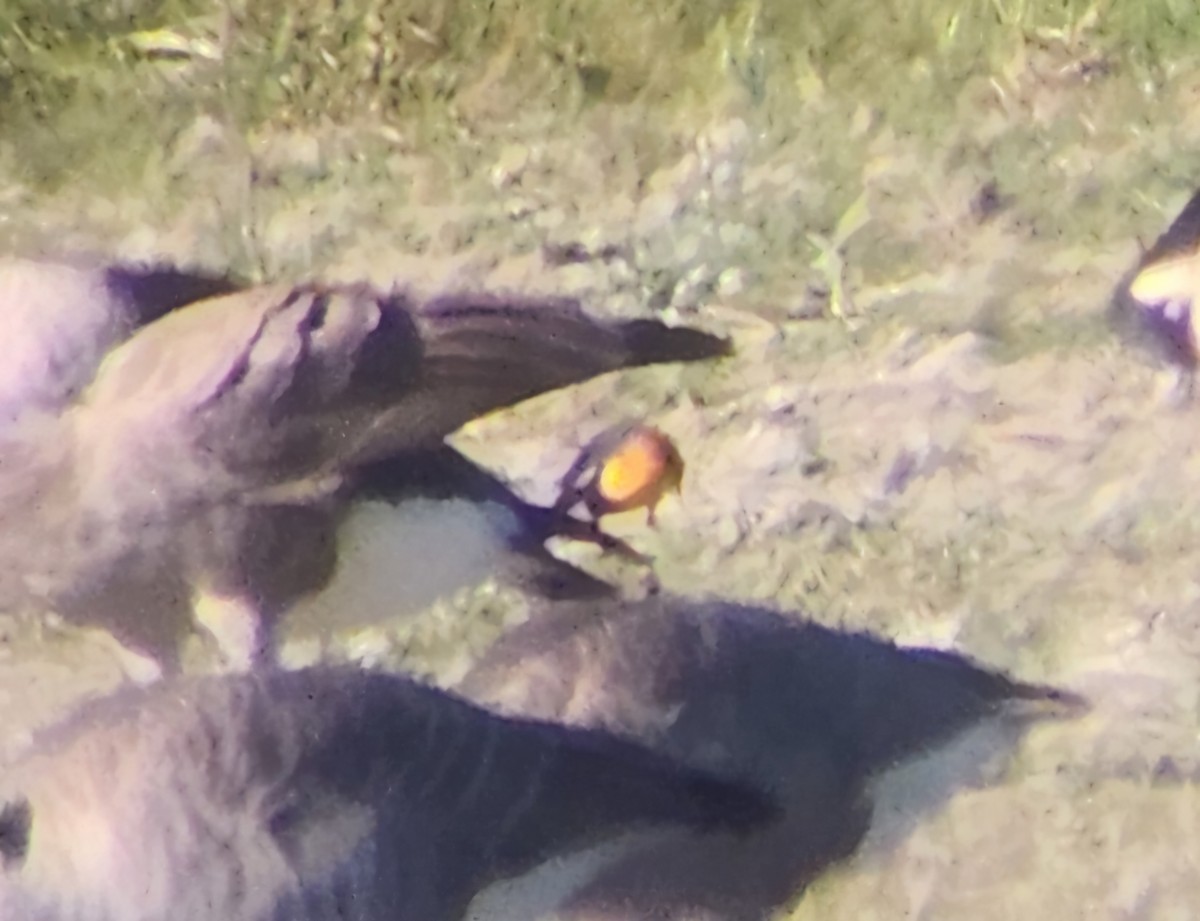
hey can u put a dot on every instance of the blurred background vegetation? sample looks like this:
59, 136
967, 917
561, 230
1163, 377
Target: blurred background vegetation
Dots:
92, 69
277, 136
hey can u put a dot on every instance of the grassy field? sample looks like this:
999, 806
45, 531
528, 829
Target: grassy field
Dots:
76, 78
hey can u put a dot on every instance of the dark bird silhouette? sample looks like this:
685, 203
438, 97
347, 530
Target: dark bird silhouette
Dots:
203, 468
318, 794
811, 713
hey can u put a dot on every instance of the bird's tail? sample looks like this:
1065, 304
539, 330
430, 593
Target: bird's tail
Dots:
526, 347
594, 785
650, 342
910, 700
993, 690
1043, 701
482, 353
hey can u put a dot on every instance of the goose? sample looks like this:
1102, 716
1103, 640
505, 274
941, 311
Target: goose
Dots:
192, 470
819, 716
321, 793
61, 316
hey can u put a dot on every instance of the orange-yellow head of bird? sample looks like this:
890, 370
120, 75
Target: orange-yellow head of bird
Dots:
638, 473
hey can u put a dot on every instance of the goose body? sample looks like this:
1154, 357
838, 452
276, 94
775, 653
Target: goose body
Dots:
196, 465
815, 714
318, 794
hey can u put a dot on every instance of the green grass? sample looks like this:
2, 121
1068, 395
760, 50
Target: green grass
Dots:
304, 62
97, 95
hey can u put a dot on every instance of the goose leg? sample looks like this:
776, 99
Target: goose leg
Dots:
237, 625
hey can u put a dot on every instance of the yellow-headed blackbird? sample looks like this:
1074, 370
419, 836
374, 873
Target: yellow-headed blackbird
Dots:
628, 467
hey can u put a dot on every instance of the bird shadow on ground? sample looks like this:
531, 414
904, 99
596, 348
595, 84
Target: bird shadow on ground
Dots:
812, 713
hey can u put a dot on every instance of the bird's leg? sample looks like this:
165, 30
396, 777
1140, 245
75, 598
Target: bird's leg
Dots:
236, 624
622, 548
570, 497
572, 528
139, 667
1183, 390
303, 491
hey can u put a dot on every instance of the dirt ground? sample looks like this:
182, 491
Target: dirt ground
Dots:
935, 431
